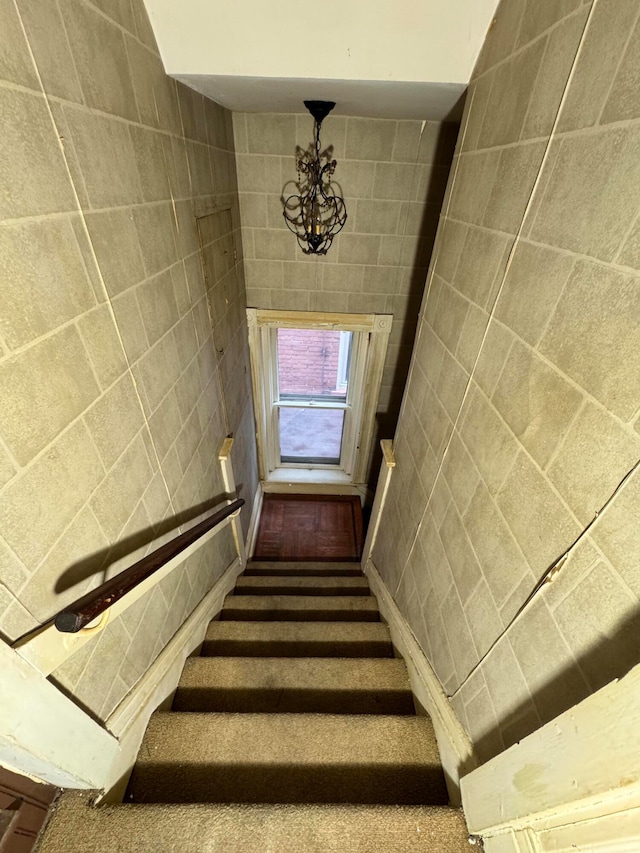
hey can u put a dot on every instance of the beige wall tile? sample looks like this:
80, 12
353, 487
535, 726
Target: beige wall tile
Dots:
483, 725
547, 664
149, 152
370, 139
465, 567
115, 242
595, 455
592, 336
51, 50
451, 385
596, 170
552, 77
16, 65
103, 344
535, 280
458, 635
156, 229
407, 141
536, 402
450, 316
43, 280
117, 495
155, 93
71, 568
100, 57
542, 526
493, 357
105, 157
512, 190
491, 444
120, 11
32, 168
617, 532
14, 574
40, 503
482, 261
503, 563
473, 185
508, 689
358, 248
373, 216
504, 116
605, 39
159, 369
274, 245
130, 326
158, 307
502, 35
460, 473
539, 16
44, 389
271, 133
394, 180
114, 420
600, 621
483, 619
622, 103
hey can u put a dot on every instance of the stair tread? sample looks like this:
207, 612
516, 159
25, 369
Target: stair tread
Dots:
300, 602
298, 685
209, 828
315, 569
302, 585
362, 608
299, 673
284, 739
287, 758
298, 639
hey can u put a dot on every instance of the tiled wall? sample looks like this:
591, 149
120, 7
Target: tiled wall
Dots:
521, 413
392, 175
112, 410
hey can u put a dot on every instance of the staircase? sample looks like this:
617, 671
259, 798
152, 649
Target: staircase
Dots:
294, 730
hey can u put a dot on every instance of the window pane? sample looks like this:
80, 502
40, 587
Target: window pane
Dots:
311, 435
313, 364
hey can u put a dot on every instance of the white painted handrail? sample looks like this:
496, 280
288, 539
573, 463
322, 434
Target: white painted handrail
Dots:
384, 478
229, 481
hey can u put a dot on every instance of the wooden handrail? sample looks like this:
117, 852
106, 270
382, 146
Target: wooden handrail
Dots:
84, 610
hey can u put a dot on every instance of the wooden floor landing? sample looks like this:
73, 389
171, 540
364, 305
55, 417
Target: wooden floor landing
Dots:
310, 527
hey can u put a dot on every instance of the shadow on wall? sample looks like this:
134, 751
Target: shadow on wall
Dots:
610, 659
386, 421
104, 561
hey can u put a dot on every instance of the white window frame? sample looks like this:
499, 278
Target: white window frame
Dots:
367, 362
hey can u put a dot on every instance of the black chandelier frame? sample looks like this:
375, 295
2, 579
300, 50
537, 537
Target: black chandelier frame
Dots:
316, 214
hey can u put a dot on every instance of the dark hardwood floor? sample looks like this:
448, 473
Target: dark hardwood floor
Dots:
310, 527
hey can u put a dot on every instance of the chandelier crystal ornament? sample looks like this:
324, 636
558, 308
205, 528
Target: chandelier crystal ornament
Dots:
316, 214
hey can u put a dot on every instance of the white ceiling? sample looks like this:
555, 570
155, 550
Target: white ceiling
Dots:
380, 58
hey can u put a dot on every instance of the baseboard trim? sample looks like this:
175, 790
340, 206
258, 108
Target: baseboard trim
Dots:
256, 511
456, 749
128, 722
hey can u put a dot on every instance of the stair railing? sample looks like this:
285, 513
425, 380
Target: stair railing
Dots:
49, 645
76, 616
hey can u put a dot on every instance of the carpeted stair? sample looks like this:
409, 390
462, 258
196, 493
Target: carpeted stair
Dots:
293, 731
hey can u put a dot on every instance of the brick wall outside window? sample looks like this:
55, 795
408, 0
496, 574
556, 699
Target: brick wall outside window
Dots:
308, 361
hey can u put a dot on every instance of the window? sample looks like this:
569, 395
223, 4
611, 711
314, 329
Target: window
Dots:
316, 381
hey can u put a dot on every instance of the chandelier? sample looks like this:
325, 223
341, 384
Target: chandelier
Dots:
317, 214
